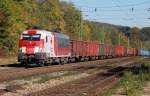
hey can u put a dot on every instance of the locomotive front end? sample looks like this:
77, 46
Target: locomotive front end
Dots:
31, 47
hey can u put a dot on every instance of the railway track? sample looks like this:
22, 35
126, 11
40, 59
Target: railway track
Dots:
51, 84
88, 86
22, 73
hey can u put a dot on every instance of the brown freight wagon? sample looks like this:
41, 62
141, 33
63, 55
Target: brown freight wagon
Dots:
82, 50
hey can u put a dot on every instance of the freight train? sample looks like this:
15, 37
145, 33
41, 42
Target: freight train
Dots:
41, 47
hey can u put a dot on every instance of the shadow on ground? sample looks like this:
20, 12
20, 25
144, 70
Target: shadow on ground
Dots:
12, 65
19, 65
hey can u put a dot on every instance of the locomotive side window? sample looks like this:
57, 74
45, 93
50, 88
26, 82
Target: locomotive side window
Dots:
35, 37
59, 42
63, 43
67, 43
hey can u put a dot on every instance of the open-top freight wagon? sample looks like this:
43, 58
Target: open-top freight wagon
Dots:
82, 50
42, 47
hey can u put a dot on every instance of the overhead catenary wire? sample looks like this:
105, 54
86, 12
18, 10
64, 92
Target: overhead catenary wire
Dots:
128, 5
133, 14
124, 12
130, 11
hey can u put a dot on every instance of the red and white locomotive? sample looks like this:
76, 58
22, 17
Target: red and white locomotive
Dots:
41, 46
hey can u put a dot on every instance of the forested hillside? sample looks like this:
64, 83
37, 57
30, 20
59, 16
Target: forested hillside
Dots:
18, 15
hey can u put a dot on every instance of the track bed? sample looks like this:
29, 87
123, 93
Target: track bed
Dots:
22, 72
88, 86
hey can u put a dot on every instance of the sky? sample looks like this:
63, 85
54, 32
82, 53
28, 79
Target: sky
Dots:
133, 13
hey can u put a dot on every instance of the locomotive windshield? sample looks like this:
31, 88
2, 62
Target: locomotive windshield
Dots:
35, 37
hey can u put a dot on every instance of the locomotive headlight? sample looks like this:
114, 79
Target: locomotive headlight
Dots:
37, 49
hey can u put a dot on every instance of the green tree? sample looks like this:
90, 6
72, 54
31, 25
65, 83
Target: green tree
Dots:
72, 17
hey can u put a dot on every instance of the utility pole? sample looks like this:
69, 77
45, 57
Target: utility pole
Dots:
128, 37
103, 36
141, 44
128, 42
119, 39
81, 26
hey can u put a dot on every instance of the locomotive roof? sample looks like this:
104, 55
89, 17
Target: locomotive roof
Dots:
41, 31
61, 35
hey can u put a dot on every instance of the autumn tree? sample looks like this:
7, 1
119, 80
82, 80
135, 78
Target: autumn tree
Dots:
72, 17
135, 38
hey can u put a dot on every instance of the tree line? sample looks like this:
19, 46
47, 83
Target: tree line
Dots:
18, 15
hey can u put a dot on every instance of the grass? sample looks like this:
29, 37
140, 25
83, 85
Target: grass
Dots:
8, 60
10, 87
132, 83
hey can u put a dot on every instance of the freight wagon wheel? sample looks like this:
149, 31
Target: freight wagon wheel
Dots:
46, 64
22, 64
61, 63
25, 64
42, 63
66, 60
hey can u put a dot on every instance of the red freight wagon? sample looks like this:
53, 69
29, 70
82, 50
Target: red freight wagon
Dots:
79, 48
130, 51
135, 51
123, 51
92, 49
120, 51
107, 50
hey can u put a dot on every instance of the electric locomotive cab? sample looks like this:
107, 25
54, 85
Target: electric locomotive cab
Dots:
31, 47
